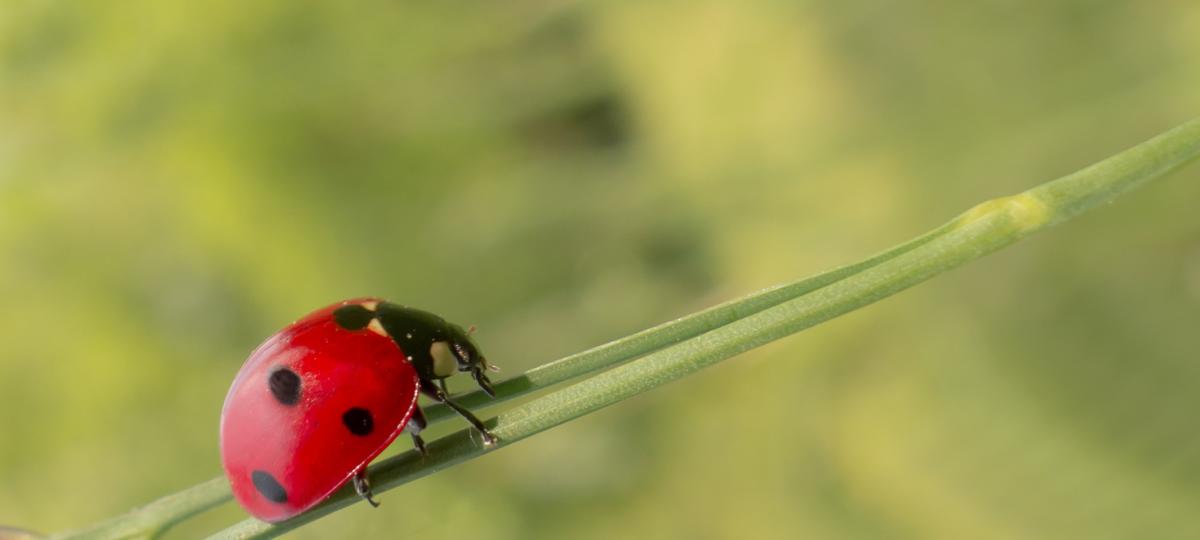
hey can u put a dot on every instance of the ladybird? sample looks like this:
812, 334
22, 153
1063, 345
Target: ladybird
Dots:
317, 401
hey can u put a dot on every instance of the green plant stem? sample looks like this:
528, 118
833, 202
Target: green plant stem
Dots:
153, 519
684, 346
977, 232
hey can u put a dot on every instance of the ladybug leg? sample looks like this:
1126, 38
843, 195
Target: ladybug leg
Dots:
440, 396
415, 425
362, 486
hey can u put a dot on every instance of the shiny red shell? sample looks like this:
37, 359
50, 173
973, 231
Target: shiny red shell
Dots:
283, 458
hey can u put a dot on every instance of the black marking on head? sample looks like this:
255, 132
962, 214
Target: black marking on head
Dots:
353, 317
358, 421
268, 486
285, 386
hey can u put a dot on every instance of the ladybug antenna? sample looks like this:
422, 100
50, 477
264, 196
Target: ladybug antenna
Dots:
485, 365
482, 361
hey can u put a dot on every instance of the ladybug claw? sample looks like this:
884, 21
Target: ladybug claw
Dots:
484, 383
419, 445
363, 487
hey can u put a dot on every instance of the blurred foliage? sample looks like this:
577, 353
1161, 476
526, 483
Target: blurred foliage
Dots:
177, 182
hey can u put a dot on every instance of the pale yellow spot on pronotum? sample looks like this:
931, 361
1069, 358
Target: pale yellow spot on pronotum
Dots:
374, 326
371, 306
444, 362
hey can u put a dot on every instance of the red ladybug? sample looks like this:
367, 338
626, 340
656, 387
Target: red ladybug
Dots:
316, 402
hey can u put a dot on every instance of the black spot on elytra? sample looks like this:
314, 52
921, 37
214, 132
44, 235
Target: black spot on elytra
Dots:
358, 421
268, 486
285, 386
353, 317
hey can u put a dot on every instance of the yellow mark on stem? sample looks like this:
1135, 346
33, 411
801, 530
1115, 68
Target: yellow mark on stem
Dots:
1026, 211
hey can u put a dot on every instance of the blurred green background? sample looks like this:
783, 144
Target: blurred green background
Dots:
179, 181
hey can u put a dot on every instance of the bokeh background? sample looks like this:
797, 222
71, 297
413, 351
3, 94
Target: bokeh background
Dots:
179, 181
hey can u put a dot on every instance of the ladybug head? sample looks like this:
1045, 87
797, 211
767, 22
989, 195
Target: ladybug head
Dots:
466, 352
